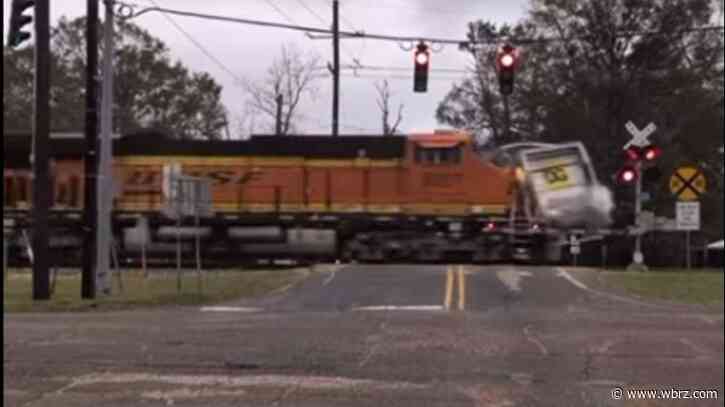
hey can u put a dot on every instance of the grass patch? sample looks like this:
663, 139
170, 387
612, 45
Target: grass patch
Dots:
158, 289
691, 287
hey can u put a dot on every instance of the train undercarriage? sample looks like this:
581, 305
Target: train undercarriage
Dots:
225, 240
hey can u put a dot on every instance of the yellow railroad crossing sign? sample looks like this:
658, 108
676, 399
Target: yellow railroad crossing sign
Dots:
688, 183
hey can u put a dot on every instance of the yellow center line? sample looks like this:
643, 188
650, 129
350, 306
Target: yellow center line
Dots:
461, 289
449, 288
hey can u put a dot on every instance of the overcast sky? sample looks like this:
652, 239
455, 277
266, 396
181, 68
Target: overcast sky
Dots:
247, 50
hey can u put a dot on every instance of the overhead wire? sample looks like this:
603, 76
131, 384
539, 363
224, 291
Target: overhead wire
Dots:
217, 61
323, 21
403, 38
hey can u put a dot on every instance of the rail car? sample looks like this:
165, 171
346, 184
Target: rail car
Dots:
421, 198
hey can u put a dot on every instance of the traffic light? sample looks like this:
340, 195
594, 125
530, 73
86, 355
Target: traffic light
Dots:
506, 61
18, 21
422, 60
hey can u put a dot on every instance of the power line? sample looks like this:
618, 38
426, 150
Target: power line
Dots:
400, 38
344, 20
323, 21
201, 47
402, 77
400, 68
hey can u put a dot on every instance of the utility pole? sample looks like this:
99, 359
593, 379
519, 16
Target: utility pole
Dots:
278, 119
336, 68
104, 181
41, 153
88, 279
507, 119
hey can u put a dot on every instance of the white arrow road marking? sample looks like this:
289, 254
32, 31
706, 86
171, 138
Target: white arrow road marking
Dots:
511, 278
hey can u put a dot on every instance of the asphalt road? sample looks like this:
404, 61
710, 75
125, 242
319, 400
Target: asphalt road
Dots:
378, 335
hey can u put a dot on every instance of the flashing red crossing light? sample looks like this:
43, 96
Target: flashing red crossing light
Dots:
651, 153
633, 153
627, 175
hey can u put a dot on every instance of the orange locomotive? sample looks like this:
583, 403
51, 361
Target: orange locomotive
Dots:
424, 197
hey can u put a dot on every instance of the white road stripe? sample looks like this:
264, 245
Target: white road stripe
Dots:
400, 308
560, 272
536, 341
229, 309
329, 278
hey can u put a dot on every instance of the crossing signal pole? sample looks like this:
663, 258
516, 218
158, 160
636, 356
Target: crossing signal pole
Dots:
638, 151
422, 62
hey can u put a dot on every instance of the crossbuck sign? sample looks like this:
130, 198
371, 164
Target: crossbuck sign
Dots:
640, 137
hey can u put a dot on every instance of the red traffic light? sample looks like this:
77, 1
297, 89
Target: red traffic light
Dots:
421, 57
651, 153
506, 58
422, 54
420, 74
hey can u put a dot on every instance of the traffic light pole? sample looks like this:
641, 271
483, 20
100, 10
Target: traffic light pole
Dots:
41, 153
88, 278
335, 68
104, 181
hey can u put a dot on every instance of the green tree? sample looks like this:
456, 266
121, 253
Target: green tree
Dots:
149, 89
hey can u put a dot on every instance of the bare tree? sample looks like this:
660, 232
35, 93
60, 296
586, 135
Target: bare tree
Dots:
290, 77
384, 105
245, 123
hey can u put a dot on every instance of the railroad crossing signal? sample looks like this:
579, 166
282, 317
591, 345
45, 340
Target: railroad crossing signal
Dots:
688, 183
422, 61
640, 138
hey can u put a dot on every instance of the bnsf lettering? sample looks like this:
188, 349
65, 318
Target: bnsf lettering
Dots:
141, 178
223, 177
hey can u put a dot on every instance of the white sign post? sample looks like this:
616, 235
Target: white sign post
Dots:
688, 219
574, 248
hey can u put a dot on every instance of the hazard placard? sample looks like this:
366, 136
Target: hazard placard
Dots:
688, 183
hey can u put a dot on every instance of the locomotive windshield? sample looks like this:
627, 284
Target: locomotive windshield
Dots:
438, 155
